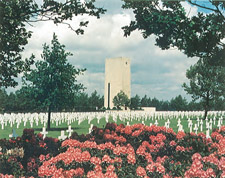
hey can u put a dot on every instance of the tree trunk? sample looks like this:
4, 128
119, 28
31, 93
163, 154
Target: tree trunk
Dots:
206, 105
49, 116
205, 115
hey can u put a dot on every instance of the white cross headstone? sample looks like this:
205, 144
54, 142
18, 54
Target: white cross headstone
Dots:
190, 126
180, 128
150, 124
44, 132
62, 136
201, 125
31, 123
18, 124
207, 133
214, 120
2, 123
24, 122
90, 129
196, 128
128, 123
219, 124
143, 122
70, 131
198, 121
98, 119
156, 122
106, 119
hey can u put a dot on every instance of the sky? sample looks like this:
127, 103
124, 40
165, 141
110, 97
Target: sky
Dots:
154, 72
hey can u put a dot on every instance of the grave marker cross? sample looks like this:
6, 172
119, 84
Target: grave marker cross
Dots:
44, 132
70, 131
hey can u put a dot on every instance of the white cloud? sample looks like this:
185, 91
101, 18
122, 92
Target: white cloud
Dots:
189, 9
155, 72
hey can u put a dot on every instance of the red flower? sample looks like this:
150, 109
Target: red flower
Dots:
180, 135
141, 171
180, 148
106, 158
131, 159
85, 156
196, 156
42, 158
150, 167
136, 133
160, 169
96, 160
173, 143
128, 130
110, 168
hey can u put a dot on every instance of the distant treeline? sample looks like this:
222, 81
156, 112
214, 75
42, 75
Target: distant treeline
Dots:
21, 102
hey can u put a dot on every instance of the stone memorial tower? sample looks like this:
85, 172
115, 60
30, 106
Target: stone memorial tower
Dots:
117, 78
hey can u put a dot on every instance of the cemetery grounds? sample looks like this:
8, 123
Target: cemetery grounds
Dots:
82, 122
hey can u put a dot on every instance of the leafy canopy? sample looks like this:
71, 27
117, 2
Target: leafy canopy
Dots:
206, 83
53, 82
200, 35
121, 99
16, 14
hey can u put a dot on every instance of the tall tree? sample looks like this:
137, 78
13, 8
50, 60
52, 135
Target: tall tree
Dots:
95, 101
16, 14
179, 103
53, 81
121, 100
144, 101
206, 83
81, 102
135, 102
200, 35
3, 100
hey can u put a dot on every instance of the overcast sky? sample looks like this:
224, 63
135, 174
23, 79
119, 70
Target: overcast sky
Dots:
154, 72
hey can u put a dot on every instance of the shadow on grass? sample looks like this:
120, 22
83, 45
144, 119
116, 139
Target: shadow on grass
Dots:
58, 129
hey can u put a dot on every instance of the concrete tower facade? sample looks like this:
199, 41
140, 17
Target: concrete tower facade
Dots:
117, 78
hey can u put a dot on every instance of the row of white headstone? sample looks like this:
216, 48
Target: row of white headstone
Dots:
69, 118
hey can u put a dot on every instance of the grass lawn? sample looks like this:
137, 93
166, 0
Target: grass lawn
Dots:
84, 126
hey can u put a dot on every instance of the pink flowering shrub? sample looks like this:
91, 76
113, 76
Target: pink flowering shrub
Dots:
135, 151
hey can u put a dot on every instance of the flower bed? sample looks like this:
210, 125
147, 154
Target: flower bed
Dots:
118, 151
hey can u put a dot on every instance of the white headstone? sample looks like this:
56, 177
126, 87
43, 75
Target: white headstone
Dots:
201, 125
44, 132
207, 133
196, 128
62, 136
90, 129
214, 120
156, 122
190, 126
70, 131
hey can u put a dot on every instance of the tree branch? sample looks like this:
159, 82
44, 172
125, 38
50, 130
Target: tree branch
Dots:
208, 8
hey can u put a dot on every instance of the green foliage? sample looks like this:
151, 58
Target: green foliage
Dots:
15, 15
179, 103
121, 99
199, 35
3, 99
206, 83
53, 82
95, 101
135, 102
